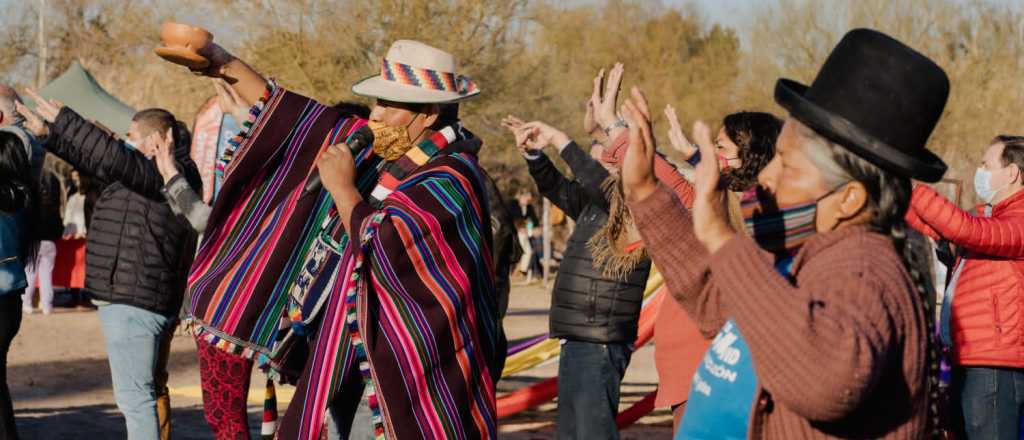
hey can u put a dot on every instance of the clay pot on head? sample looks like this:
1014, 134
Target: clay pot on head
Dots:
178, 35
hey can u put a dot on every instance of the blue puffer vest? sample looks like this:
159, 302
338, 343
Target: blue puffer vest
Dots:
12, 268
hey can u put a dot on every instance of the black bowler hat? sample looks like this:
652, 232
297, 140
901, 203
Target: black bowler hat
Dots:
878, 98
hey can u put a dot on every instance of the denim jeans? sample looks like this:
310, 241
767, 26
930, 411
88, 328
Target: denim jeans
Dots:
992, 400
589, 376
10, 322
134, 337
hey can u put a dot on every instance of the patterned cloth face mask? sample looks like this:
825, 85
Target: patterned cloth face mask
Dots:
780, 229
390, 143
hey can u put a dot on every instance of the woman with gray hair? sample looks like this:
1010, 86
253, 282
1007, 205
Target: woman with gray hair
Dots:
820, 322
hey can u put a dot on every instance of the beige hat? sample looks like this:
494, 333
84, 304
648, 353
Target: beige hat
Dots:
415, 73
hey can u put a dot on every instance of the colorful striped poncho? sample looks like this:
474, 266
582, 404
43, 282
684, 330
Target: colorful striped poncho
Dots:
422, 313
261, 226
414, 314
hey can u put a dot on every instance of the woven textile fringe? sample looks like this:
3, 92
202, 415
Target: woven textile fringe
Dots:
269, 426
352, 319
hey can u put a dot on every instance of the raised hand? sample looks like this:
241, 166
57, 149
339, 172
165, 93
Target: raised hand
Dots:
638, 181
702, 134
511, 122
604, 98
540, 135
710, 212
591, 127
514, 125
163, 154
675, 134
47, 108
230, 102
218, 57
33, 122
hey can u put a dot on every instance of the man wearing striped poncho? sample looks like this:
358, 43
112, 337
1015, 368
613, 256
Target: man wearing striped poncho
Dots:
384, 281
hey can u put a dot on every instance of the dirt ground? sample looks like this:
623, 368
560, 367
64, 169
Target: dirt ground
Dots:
60, 380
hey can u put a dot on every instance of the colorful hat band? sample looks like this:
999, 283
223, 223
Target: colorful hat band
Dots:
425, 78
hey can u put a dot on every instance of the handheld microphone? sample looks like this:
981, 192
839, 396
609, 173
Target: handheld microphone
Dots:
360, 139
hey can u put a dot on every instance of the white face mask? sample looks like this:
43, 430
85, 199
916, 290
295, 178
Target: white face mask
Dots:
983, 185
140, 148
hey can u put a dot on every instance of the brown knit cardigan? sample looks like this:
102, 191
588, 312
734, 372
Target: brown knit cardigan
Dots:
839, 355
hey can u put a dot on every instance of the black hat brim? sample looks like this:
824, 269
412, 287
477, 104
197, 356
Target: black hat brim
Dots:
924, 165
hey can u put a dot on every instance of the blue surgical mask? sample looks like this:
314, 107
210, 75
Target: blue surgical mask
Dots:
131, 144
983, 185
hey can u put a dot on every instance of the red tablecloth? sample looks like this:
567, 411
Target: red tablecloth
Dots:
69, 267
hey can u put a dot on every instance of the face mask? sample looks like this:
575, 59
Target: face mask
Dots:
139, 147
983, 185
390, 143
723, 162
779, 229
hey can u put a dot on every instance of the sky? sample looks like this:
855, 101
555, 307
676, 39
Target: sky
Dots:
735, 13
727, 12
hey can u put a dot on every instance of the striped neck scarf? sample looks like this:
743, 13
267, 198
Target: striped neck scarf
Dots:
396, 171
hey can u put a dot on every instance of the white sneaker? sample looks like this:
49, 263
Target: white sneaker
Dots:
27, 310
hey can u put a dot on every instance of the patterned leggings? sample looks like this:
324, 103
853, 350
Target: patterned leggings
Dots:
225, 379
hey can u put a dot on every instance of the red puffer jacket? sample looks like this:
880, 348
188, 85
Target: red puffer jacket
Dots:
987, 320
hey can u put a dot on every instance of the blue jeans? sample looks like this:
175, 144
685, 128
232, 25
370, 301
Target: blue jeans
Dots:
992, 400
589, 376
133, 338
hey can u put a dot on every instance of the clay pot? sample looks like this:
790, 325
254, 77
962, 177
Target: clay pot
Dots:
179, 35
182, 43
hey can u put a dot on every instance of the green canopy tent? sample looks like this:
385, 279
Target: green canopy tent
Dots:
77, 89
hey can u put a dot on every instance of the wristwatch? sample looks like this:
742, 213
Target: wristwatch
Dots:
695, 159
619, 123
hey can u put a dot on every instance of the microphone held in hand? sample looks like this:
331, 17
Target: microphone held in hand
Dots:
360, 139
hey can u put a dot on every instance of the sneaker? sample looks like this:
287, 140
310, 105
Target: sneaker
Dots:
27, 310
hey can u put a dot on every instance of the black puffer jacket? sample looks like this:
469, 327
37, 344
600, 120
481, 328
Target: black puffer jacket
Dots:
138, 251
586, 306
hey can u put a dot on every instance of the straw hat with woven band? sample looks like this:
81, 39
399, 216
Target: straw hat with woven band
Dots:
415, 73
